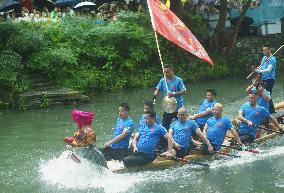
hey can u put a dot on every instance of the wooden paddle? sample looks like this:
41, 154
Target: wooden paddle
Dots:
281, 131
265, 61
242, 149
184, 161
217, 152
74, 158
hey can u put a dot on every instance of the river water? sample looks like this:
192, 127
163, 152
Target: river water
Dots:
33, 157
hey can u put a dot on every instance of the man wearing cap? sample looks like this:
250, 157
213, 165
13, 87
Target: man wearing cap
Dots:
118, 147
175, 89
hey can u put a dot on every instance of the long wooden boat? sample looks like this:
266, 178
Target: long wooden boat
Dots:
197, 155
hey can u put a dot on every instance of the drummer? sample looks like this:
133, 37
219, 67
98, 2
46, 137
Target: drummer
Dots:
175, 88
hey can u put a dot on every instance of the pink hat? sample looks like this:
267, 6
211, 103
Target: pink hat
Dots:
82, 118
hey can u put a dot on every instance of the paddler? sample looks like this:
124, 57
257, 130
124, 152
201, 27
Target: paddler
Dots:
182, 131
175, 89
217, 126
252, 116
118, 147
148, 106
146, 141
263, 95
205, 109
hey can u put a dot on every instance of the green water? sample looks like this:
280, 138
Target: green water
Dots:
33, 156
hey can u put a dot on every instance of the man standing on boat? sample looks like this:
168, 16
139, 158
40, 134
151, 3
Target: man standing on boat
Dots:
252, 116
146, 140
268, 71
182, 130
175, 89
217, 126
118, 147
205, 109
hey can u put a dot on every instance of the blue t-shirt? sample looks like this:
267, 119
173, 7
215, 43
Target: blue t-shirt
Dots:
217, 129
260, 99
272, 62
175, 85
203, 107
256, 115
118, 129
182, 132
142, 121
149, 138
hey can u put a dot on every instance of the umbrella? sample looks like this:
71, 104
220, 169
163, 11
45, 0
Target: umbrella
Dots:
85, 4
9, 5
70, 3
44, 3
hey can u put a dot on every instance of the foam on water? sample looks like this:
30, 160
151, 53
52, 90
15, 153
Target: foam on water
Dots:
66, 174
247, 157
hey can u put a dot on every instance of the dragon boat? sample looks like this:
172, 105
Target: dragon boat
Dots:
91, 153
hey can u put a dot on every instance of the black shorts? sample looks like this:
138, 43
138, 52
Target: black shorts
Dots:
116, 154
182, 152
138, 159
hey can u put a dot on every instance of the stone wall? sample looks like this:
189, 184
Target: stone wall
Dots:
251, 47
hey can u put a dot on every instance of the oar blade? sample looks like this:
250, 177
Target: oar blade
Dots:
256, 151
75, 158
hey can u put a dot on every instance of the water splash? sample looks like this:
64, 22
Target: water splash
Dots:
66, 174
247, 157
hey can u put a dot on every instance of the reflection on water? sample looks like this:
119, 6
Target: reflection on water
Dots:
33, 156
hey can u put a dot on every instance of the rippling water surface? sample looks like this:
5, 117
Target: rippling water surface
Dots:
34, 158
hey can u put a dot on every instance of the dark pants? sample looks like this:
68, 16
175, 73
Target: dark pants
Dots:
268, 85
204, 148
116, 154
168, 118
182, 152
138, 159
246, 138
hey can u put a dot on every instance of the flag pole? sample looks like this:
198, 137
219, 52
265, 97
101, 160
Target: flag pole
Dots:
160, 56
157, 43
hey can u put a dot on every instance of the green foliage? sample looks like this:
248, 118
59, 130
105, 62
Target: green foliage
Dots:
45, 101
11, 78
82, 54
54, 62
198, 25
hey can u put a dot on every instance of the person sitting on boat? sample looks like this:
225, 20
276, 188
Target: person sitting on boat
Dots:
263, 95
217, 126
118, 147
182, 130
84, 135
252, 116
146, 140
205, 109
148, 106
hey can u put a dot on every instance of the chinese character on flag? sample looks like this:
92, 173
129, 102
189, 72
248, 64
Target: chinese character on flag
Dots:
166, 23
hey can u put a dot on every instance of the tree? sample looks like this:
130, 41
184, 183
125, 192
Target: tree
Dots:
218, 34
234, 36
176, 7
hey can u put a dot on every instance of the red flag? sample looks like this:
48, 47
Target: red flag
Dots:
171, 27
